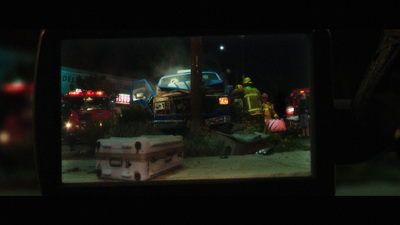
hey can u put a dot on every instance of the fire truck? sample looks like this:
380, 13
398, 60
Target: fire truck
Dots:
79, 108
292, 106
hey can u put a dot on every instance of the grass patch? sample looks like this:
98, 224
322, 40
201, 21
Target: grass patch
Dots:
288, 144
202, 143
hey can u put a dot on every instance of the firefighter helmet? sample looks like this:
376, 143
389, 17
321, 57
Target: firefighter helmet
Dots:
264, 95
247, 80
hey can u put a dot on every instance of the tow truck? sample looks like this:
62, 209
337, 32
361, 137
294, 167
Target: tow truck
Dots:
169, 107
292, 107
83, 107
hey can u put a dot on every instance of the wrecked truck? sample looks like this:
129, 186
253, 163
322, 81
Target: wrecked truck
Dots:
169, 106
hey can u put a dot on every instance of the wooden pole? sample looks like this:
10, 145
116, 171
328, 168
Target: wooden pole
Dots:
196, 85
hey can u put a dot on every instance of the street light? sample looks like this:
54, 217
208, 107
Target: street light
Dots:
221, 47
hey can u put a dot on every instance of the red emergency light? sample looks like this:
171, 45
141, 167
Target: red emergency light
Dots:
86, 93
75, 93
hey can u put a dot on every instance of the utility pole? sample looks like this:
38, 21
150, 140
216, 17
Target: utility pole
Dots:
196, 85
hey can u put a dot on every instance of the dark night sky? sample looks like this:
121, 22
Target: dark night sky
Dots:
275, 63
352, 52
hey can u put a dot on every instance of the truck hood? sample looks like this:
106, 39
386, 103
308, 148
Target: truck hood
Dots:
185, 85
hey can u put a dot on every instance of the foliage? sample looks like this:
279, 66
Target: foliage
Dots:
134, 121
134, 129
290, 143
94, 131
133, 113
202, 143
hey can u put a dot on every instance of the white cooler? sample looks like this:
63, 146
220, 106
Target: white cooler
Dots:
138, 158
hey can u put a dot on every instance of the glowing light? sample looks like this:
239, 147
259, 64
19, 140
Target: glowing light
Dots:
221, 47
123, 99
4, 137
223, 101
184, 71
290, 110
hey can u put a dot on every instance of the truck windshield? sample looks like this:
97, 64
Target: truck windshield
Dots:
96, 103
185, 78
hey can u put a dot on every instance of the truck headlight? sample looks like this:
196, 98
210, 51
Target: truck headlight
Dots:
223, 101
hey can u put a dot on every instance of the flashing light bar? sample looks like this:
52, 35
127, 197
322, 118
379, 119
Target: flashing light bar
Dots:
78, 92
184, 71
75, 93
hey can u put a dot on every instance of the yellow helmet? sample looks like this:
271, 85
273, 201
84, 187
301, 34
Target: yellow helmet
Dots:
247, 80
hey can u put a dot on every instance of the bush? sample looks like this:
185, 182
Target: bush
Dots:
94, 131
133, 113
288, 144
202, 143
134, 129
134, 121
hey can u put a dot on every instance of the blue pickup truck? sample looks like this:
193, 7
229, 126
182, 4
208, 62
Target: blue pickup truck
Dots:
169, 106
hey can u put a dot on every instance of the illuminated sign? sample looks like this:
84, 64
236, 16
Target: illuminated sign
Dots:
123, 99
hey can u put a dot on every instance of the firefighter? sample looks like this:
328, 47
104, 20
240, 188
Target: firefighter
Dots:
238, 95
268, 108
251, 99
237, 108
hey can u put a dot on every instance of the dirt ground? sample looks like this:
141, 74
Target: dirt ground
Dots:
294, 163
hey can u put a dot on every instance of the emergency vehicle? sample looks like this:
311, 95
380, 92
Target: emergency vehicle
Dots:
292, 105
16, 114
82, 107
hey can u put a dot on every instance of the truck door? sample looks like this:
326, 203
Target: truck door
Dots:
141, 93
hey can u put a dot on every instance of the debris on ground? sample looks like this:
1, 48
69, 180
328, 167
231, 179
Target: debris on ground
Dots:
264, 151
